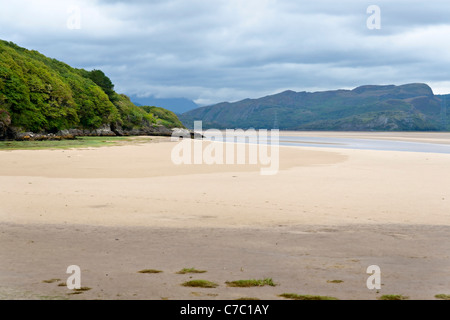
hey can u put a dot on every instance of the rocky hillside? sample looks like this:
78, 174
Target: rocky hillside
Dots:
411, 107
43, 97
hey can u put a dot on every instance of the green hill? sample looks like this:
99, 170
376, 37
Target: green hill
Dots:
45, 96
411, 107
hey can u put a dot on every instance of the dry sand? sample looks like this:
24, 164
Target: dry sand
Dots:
327, 215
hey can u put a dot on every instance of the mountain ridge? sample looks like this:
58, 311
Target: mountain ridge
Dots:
408, 107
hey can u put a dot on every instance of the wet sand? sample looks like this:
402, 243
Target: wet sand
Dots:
327, 215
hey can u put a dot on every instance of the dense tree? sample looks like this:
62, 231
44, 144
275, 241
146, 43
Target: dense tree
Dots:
164, 117
40, 94
5, 121
103, 82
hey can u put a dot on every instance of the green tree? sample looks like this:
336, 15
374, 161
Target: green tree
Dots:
103, 82
40, 94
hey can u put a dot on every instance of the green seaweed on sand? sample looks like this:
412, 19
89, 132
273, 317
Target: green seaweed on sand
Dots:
251, 283
294, 296
200, 284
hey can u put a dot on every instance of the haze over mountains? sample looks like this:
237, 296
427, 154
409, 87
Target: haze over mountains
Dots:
409, 107
176, 105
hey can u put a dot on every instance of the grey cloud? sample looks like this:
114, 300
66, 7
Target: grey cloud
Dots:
230, 49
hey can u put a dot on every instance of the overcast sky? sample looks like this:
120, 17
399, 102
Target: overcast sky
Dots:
227, 50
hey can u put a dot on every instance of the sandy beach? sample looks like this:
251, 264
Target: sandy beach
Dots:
328, 214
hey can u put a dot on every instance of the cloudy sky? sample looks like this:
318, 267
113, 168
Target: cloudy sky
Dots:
227, 50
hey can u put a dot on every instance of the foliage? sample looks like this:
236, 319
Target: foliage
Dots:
164, 117
393, 297
5, 119
190, 270
251, 283
150, 271
131, 116
80, 142
40, 94
100, 79
200, 284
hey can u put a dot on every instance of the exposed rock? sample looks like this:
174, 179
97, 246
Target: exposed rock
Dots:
142, 131
76, 132
186, 134
104, 131
181, 133
30, 136
63, 133
117, 130
14, 133
162, 130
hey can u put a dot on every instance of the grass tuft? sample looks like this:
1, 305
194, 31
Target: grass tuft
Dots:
443, 296
335, 281
393, 297
80, 142
200, 284
190, 270
251, 283
294, 296
80, 291
51, 281
52, 298
150, 271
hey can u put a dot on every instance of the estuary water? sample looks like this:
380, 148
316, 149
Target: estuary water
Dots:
340, 143
365, 144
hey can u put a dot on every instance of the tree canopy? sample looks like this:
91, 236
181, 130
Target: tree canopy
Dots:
41, 94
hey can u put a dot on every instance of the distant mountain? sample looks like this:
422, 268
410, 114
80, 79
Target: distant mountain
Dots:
410, 107
176, 105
